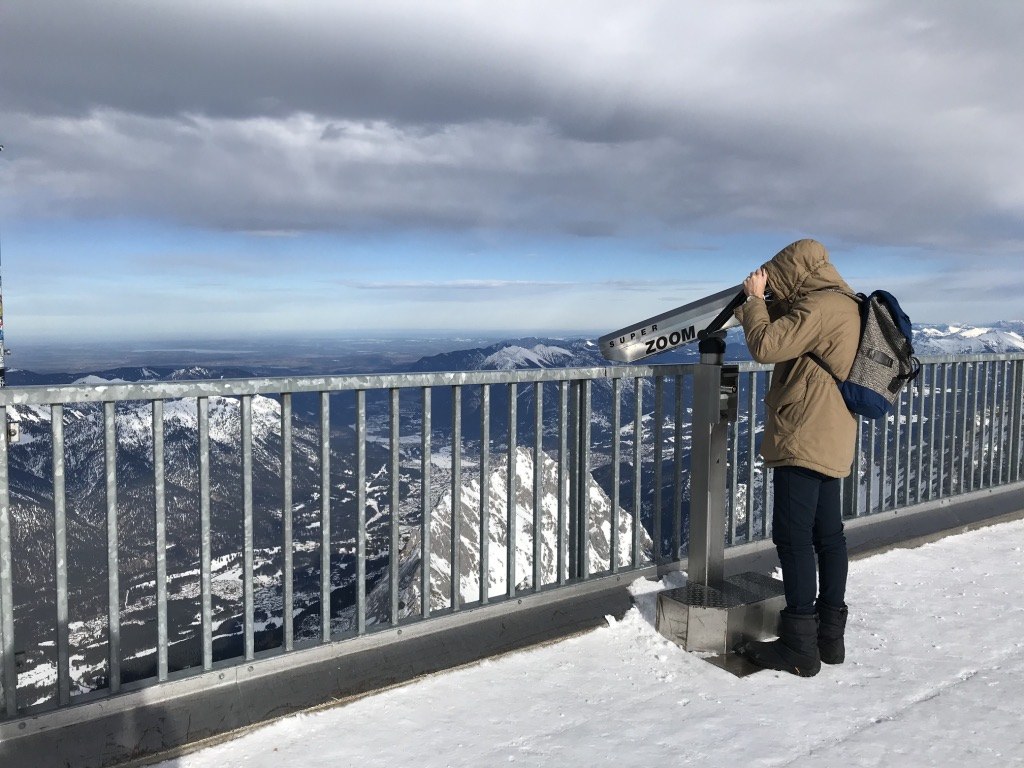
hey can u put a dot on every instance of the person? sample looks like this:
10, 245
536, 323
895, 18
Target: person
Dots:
808, 440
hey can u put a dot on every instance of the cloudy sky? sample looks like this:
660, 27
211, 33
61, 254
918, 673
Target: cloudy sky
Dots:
191, 168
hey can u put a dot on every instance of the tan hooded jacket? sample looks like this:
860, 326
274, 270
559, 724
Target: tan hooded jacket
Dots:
808, 424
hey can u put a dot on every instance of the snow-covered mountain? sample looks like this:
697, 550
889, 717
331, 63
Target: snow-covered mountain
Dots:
468, 525
1001, 337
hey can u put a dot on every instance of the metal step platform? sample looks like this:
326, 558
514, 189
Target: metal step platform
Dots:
703, 618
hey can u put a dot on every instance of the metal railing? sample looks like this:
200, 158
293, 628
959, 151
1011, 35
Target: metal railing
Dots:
155, 531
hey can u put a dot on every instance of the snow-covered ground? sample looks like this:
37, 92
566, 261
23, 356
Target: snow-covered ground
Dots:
934, 677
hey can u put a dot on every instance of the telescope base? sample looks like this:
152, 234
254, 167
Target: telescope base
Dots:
716, 620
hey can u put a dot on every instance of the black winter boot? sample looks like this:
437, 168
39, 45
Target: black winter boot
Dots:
831, 626
796, 650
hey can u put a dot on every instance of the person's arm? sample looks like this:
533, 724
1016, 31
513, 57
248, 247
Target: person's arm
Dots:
792, 335
786, 338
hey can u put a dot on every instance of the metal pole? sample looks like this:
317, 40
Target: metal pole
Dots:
9, 672
706, 553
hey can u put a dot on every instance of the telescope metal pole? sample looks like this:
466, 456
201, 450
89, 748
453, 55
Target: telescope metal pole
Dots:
706, 553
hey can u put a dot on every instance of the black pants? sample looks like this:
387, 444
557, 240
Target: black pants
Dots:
807, 521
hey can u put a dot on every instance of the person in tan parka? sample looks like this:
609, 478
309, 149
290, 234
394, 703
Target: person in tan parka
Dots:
808, 441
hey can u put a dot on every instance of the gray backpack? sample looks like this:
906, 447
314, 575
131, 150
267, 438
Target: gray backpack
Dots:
885, 361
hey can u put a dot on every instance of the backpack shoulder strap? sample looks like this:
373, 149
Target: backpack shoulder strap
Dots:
826, 366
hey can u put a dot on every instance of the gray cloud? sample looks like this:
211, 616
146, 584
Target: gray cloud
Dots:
867, 122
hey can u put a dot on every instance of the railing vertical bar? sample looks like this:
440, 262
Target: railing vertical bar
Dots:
485, 491
288, 576
1011, 410
972, 373
572, 512
455, 543
986, 424
206, 535
932, 424
113, 565
583, 547
908, 438
60, 551
1015, 428
247, 514
616, 472
677, 470
965, 368
511, 514
995, 423
874, 485
1004, 417
360, 511
942, 430
967, 437
425, 509
325, 517
922, 403
767, 491
751, 448
1018, 435
954, 429
160, 513
563, 480
734, 470
659, 399
638, 435
883, 490
9, 672
858, 455
538, 474
394, 556
977, 426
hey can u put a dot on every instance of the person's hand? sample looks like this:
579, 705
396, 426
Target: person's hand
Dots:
755, 283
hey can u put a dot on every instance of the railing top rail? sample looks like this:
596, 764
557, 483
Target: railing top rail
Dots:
173, 390
923, 359
980, 358
273, 385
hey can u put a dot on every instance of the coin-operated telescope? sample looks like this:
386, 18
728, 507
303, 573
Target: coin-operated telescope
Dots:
683, 325
712, 612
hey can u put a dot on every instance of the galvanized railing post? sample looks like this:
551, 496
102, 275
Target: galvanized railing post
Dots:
360, 512
9, 670
565, 474
160, 513
206, 535
113, 567
658, 438
394, 555
511, 517
61, 555
248, 531
538, 477
575, 503
455, 558
425, 480
613, 544
484, 509
1015, 422
288, 575
638, 439
583, 475
325, 517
